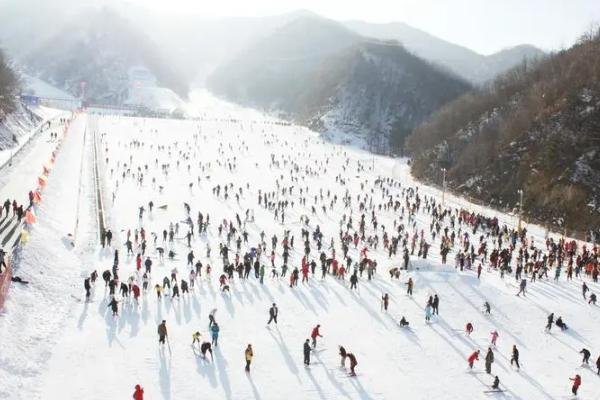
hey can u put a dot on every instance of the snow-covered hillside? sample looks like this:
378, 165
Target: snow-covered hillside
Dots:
60, 347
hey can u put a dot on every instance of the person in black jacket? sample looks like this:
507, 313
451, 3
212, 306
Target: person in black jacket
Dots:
307, 351
586, 356
515, 356
87, 286
273, 311
343, 356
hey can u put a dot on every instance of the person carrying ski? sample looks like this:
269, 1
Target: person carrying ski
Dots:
343, 356
586, 356
139, 393
204, 347
576, 383
273, 312
248, 354
162, 332
472, 358
314, 334
306, 350
489, 359
214, 329
353, 363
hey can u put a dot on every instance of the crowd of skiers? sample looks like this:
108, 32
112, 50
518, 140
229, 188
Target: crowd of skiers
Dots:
354, 254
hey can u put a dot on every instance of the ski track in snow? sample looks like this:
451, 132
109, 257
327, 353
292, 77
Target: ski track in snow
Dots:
58, 347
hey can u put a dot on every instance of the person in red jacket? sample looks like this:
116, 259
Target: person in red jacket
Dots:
314, 334
469, 328
472, 358
139, 393
576, 384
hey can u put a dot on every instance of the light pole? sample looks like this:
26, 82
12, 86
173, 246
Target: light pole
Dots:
443, 185
520, 191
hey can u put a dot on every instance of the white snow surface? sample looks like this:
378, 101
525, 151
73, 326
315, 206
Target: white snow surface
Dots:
56, 346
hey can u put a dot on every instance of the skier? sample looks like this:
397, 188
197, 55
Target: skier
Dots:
214, 329
559, 322
428, 309
314, 334
489, 359
196, 337
385, 300
592, 299
343, 356
306, 350
586, 356
139, 393
211, 317
353, 363
353, 281
472, 358
248, 354
204, 347
522, 286
487, 307
469, 329
106, 277
496, 384
87, 287
436, 305
515, 356
403, 322
598, 365
162, 332
409, 285
114, 305
494, 337
273, 312
550, 321
576, 383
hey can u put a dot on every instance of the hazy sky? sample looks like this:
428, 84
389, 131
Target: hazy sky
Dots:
485, 26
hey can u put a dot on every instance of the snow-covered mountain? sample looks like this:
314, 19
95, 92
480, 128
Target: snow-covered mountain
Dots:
466, 63
319, 73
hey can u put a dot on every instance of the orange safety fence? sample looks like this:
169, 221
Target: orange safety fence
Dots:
5, 281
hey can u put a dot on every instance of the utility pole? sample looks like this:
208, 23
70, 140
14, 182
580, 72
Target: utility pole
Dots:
443, 186
520, 191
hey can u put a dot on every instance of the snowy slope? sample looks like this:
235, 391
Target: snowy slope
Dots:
76, 349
